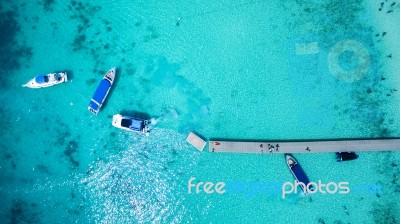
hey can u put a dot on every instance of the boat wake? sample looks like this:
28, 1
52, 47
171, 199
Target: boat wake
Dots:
169, 114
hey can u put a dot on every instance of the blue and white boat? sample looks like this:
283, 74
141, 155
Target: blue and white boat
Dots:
130, 124
51, 79
297, 171
102, 91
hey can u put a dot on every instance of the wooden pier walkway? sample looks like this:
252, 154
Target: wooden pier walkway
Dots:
305, 146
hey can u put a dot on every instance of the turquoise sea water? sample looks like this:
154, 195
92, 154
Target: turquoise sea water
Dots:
226, 69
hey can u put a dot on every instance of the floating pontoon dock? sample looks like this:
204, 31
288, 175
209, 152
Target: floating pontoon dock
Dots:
196, 141
305, 146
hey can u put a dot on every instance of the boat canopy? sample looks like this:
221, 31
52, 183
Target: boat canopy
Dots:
125, 122
41, 79
136, 125
299, 173
101, 92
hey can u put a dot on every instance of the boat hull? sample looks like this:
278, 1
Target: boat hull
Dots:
102, 91
47, 80
140, 126
346, 156
297, 171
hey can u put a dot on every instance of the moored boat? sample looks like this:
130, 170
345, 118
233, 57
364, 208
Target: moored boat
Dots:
297, 171
346, 156
102, 91
130, 124
51, 79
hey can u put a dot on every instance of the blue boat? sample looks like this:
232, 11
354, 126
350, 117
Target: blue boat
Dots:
102, 91
297, 171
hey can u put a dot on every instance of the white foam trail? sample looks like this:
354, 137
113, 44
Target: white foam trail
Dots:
170, 112
154, 121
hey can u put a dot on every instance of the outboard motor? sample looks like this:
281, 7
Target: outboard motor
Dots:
346, 156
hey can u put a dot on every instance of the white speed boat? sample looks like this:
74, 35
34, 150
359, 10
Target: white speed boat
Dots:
51, 79
130, 124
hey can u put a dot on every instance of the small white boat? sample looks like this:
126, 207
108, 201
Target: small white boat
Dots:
130, 124
51, 79
102, 91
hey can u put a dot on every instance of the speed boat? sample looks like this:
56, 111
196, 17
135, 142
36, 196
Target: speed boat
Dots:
297, 171
346, 156
130, 124
102, 91
51, 79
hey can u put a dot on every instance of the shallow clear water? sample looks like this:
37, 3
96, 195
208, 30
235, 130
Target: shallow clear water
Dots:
239, 70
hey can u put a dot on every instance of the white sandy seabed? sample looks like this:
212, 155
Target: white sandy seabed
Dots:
389, 23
